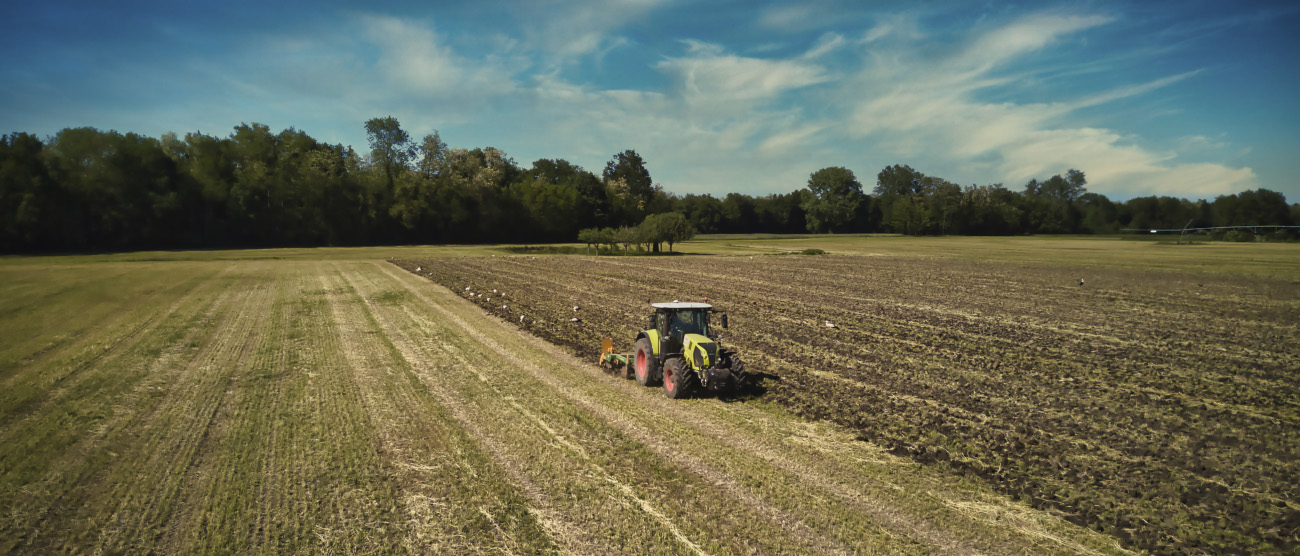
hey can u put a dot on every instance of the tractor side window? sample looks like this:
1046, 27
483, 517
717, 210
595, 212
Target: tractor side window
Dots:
661, 322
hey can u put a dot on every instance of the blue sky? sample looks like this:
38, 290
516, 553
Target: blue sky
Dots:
1186, 98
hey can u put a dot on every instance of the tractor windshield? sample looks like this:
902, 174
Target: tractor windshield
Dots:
688, 322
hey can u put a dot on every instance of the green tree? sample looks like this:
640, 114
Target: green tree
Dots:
628, 236
703, 212
739, 214
433, 156
898, 180
673, 228
29, 215
590, 237
390, 147
832, 199
629, 169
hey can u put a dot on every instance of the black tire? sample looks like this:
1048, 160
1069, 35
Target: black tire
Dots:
644, 365
738, 376
677, 379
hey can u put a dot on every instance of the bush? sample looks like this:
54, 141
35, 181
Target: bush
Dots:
813, 252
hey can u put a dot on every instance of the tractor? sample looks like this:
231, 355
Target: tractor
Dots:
680, 350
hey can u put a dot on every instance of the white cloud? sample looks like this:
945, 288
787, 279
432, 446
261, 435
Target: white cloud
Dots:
415, 57
828, 43
934, 113
566, 30
709, 78
1026, 35
783, 141
790, 17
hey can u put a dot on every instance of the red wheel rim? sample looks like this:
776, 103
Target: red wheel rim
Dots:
640, 364
668, 380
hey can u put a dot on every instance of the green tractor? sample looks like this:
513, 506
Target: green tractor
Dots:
681, 350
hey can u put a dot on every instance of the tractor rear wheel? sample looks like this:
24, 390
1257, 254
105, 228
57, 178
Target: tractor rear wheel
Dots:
676, 378
644, 365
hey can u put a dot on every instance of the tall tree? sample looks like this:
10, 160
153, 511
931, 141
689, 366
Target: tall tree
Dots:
28, 209
390, 147
433, 156
629, 168
900, 180
832, 199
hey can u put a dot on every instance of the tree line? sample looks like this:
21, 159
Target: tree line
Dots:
85, 189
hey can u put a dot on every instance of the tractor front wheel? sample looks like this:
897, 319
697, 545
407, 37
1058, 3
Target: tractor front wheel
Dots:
644, 365
676, 378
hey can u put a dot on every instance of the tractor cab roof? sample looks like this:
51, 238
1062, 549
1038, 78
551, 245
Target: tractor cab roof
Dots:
677, 305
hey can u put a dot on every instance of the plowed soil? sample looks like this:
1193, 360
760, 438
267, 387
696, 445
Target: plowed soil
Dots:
1158, 406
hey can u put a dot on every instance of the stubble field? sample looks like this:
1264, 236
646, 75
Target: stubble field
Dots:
326, 401
1156, 403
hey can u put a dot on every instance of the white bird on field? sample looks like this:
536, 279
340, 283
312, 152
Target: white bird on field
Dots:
489, 300
419, 268
505, 306
830, 324
1081, 281
521, 319
466, 288
575, 308
575, 319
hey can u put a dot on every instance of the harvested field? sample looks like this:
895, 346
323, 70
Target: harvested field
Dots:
1158, 406
203, 403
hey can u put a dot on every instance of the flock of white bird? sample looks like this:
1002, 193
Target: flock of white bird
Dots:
523, 318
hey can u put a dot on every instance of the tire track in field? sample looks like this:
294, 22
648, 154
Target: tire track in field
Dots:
590, 472
407, 421
556, 515
210, 380
933, 538
833, 479
214, 370
143, 495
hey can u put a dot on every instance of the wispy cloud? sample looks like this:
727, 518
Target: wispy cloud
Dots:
710, 77
935, 113
414, 56
565, 31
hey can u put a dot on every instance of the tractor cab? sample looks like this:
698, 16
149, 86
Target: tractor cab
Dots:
675, 320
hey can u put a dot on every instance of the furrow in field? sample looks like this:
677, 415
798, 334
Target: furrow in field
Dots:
1122, 388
